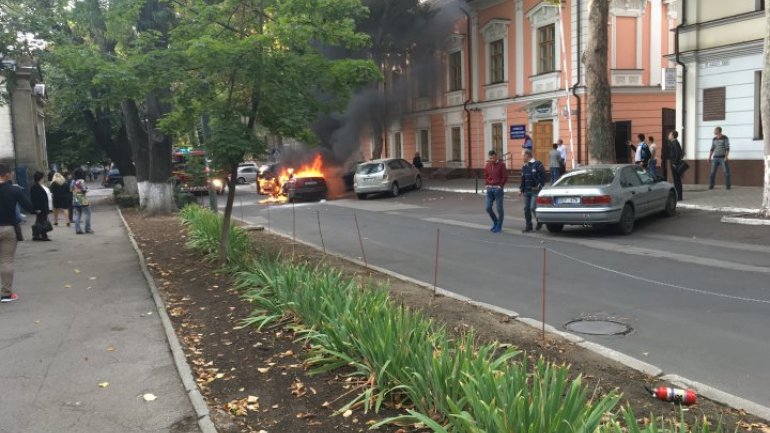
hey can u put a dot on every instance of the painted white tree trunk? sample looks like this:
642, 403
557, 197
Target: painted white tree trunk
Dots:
156, 197
130, 185
765, 107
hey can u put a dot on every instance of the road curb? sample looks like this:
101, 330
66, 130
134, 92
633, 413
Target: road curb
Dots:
646, 368
742, 219
185, 373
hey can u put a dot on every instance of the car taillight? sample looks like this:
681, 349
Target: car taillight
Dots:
544, 200
596, 199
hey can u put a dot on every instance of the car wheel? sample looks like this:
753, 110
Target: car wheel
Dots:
361, 196
241, 180
394, 191
626, 223
670, 209
418, 182
555, 228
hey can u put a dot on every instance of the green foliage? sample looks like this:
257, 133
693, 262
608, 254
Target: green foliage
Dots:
397, 355
126, 200
184, 199
204, 229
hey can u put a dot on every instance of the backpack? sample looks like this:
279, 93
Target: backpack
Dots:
646, 155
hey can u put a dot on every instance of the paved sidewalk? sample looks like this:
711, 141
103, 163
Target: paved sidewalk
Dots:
739, 199
85, 316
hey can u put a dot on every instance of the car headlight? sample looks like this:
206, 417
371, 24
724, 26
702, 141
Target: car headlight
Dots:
217, 183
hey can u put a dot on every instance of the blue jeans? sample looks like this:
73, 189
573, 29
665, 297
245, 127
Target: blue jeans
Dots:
495, 195
653, 168
530, 204
555, 174
715, 162
79, 211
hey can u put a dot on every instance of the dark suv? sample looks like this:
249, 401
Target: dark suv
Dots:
113, 178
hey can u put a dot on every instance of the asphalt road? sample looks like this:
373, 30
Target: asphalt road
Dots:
696, 292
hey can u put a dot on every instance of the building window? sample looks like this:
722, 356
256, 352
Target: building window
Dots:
714, 104
455, 71
423, 87
496, 62
497, 138
758, 130
397, 145
546, 49
759, 5
456, 141
423, 140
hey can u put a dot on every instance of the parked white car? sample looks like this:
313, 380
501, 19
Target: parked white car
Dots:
390, 175
247, 173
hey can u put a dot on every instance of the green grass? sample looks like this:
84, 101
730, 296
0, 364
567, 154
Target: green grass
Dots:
397, 356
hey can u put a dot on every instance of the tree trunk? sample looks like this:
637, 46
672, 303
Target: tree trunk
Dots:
156, 194
224, 239
116, 149
377, 132
599, 131
765, 107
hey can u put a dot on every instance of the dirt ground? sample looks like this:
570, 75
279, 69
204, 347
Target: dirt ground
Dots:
256, 380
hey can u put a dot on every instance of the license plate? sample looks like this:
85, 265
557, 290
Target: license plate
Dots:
369, 179
311, 183
567, 200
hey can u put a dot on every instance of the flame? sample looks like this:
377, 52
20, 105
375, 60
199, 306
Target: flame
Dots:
274, 186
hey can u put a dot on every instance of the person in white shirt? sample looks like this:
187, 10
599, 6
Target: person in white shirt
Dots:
563, 152
638, 154
653, 165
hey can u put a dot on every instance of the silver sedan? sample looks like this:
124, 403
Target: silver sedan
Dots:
604, 194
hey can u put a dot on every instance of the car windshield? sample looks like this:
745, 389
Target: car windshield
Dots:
588, 177
370, 168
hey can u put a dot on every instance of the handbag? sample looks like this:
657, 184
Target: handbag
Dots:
47, 227
682, 167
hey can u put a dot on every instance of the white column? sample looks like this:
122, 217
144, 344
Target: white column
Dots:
613, 41
656, 21
519, 65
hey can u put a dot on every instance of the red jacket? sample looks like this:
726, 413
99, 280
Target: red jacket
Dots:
495, 174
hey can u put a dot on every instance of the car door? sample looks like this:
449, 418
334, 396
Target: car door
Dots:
396, 172
632, 188
408, 172
648, 193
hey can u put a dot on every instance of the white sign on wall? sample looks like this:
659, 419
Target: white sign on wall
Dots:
668, 78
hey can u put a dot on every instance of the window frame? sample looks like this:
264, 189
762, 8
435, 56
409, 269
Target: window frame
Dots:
459, 137
497, 61
494, 129
398, 144
758, 129
543, 45
424, 155
455, 70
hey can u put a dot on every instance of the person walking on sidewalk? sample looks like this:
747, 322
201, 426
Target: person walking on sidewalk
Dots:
563, 154
554, 163
81, 205
495, 177
718, 155
533, 179
41, 204
677, 156
10, 196
653, 164
62, 198
417, 161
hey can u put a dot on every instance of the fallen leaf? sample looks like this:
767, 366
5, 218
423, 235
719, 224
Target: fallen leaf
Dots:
104, 384
77, 271
263, 370
149, 397
303, 415
110, 349
347, 413
92, 278
68, 286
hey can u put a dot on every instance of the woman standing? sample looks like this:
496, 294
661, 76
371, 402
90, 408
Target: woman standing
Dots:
62, 198
653, 168
40, 203
81, 205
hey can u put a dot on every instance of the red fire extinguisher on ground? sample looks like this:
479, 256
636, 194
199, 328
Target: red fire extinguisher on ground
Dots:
676, 395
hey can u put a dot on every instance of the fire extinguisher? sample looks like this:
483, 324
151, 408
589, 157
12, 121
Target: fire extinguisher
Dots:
676, 395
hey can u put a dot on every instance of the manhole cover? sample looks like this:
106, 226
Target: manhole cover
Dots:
598, 327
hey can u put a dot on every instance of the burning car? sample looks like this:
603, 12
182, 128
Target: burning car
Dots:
286, 183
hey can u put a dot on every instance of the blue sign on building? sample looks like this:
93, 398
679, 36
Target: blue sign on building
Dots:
518, 132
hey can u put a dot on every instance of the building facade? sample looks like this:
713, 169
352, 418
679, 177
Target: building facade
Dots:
22, 121
515, 67
720, 53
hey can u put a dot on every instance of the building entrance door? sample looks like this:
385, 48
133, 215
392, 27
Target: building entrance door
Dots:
622, 137
668, 120
542, 140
